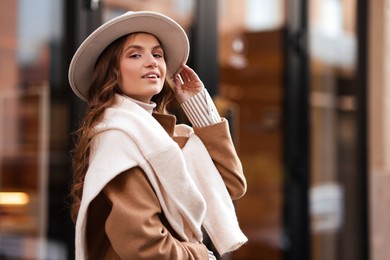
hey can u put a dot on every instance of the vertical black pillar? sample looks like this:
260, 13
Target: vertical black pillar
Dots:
296, 134
80, 19
204, 38
88, 15
362, 124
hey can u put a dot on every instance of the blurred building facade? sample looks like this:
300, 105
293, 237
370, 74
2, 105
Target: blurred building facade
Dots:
304, 84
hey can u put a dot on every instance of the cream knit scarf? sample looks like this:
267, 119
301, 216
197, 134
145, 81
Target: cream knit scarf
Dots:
189, 187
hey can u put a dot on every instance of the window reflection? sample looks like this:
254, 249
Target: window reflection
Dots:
333, 63
251, 89
181, 11
28, 30
251, 62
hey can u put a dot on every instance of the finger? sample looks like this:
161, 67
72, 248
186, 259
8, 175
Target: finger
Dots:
184, 75
177, 82
190, 73
179, 79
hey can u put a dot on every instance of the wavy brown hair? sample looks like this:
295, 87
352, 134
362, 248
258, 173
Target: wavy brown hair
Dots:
101, 93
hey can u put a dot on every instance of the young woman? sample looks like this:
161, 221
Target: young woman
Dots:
144, 187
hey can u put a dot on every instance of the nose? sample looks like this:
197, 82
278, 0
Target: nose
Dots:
151, 62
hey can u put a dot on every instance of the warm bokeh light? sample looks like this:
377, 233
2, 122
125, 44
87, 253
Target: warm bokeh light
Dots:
13, 198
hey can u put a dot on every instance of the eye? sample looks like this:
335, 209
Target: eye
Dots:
135, 55
158, 55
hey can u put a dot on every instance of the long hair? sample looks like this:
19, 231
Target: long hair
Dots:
101, 93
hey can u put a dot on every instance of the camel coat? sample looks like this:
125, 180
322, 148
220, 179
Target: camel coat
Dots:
126, 221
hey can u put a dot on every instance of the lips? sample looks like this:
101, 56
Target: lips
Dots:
151, 75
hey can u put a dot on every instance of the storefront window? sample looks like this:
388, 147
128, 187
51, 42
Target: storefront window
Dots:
28, 30
36, 119
181, 11
333, 102
251, 66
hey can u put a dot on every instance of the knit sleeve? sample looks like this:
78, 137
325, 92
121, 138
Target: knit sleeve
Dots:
200, 110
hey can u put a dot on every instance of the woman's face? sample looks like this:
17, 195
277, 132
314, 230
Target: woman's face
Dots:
142, 67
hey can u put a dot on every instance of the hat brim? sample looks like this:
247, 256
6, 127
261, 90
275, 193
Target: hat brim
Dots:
170, 34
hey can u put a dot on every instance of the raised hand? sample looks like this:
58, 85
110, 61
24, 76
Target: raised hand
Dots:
186, 84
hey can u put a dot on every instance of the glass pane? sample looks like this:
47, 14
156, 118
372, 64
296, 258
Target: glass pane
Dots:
181, 11
333, 45
251, 61
251, 77
27, 30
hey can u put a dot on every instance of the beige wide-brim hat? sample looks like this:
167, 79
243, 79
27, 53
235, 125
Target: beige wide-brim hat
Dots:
171, 35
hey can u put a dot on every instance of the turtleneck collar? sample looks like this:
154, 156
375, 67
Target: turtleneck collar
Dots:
167, 121
147, 106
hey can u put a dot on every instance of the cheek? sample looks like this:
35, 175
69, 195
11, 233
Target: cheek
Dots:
164, 69
127, 71
126, 76
126, 68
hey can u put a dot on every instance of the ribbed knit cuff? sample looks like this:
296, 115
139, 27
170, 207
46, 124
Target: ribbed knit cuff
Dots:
200, 110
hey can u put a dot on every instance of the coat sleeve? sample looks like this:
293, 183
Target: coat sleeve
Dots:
219, 144
134, 226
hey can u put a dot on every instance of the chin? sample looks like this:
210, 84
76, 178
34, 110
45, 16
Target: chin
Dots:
157, 90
